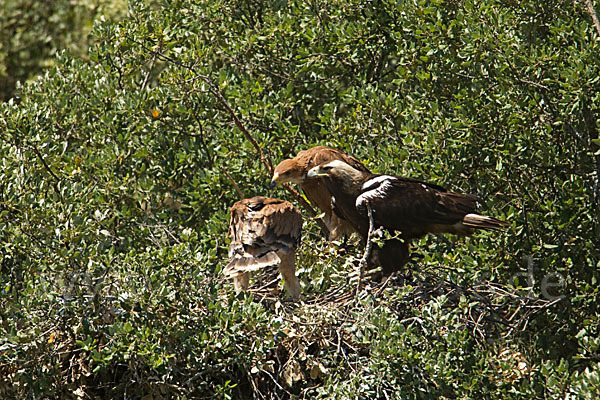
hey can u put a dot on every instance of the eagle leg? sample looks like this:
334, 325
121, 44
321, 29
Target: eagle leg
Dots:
287, 269
241, 282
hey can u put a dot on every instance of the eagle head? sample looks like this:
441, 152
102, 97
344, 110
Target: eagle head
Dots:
330, 169
340, 172
335, 169
288, 171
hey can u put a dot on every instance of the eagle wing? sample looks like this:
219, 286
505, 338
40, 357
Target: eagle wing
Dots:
261, 229
414, 207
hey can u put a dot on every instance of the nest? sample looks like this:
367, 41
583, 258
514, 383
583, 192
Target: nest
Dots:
495, 310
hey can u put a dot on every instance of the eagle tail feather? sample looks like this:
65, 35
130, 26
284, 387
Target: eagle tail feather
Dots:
478, 221
245, 263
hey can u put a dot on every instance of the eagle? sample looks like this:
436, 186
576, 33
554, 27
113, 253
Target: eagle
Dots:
411, 207
295, 169
264, 232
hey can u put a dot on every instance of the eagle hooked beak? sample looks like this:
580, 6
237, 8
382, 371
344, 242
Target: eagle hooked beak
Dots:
315, 172
275, 179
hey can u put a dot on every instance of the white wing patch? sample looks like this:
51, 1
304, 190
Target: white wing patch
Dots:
374, 182
377, 188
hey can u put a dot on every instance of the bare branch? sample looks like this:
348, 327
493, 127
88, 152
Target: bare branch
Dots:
217, 93
235, 185
220, 98
363, 261
590, 7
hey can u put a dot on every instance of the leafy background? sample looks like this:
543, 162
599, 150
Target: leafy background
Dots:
117, 168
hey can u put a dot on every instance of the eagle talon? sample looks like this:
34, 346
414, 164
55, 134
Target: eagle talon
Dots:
375, 274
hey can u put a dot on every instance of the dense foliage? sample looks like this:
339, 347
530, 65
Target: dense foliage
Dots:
117, 171
34, 31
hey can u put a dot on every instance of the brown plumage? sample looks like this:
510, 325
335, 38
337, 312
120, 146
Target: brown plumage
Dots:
264, 232
295, 169
409, 206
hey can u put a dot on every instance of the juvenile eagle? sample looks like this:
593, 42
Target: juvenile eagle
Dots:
264, 232
409, 206
295, 169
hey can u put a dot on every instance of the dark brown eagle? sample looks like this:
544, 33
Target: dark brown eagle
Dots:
264, 232
405, 205
295, 169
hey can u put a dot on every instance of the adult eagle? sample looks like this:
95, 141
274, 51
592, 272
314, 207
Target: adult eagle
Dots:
264, 232
295, 169
409, 206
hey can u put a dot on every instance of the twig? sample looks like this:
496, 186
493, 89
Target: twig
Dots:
276, 383
382, 288
363, 261
308, 209
590, 7
146, 78
235, 185
56, 180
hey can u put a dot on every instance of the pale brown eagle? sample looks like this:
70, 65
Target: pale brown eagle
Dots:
264, 232
408, 206
295, 169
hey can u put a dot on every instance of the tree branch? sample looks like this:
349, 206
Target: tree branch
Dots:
368, 247
147, 77
235, 185
56, 179
590, 7
219, 96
